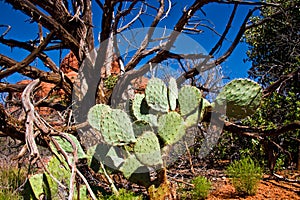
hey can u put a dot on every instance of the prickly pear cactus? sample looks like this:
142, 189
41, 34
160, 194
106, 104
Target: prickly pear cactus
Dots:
155, 123
130, 165
199, 114
140, 110
157, 95
141, 126
171, 127
67, 146
114, 124
61, 172
241, 97
189, 98
173, 93
96, 113
147, 149
37, 185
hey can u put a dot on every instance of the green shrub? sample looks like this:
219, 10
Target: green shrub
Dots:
124, 195
201, 187
11, 180
245, 176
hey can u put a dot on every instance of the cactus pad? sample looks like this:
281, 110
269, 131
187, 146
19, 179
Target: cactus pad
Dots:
193, 118
116, 128
130, 165
96, 113
147, 149
67, 146
189, 98
141, 126
157, 95
140, 110
173, 93
241, 97
171, 127
37, 185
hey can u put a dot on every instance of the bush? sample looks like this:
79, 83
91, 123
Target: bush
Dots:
124, 195
245, 176
11, 180
201, 187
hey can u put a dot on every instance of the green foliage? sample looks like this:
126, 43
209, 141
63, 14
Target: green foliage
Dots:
123, 195
201, 188
273, 45
274, 52
111, 81
11, 179
245, 176
279, 164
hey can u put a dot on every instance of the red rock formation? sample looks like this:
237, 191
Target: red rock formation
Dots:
69, 63
139, 84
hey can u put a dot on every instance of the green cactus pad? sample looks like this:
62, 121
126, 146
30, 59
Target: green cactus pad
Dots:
141, 126
67, 146
173, 93
192, 119
171, 127
189, 98
37, 185
241, 97
141, 110
195, 117
157, 95
147, 149
130, 165
205, 108
116, 128
113, 159
60, 170
96, 113
137, 106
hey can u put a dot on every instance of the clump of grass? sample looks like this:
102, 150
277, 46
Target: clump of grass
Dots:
245, 175
123, 195
201, 188
11, 180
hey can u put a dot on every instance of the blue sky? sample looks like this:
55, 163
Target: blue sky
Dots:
234, 67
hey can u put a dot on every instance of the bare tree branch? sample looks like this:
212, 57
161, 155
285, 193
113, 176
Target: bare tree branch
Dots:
6, 31
28, 59
6, 87
34, 73
29, 110
48, 22
251, 3
11, 126
260, 133
29, 47
140, 54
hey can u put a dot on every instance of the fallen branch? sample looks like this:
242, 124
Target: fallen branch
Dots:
29, 110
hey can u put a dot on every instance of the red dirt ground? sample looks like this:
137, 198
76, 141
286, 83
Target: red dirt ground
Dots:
269, 189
